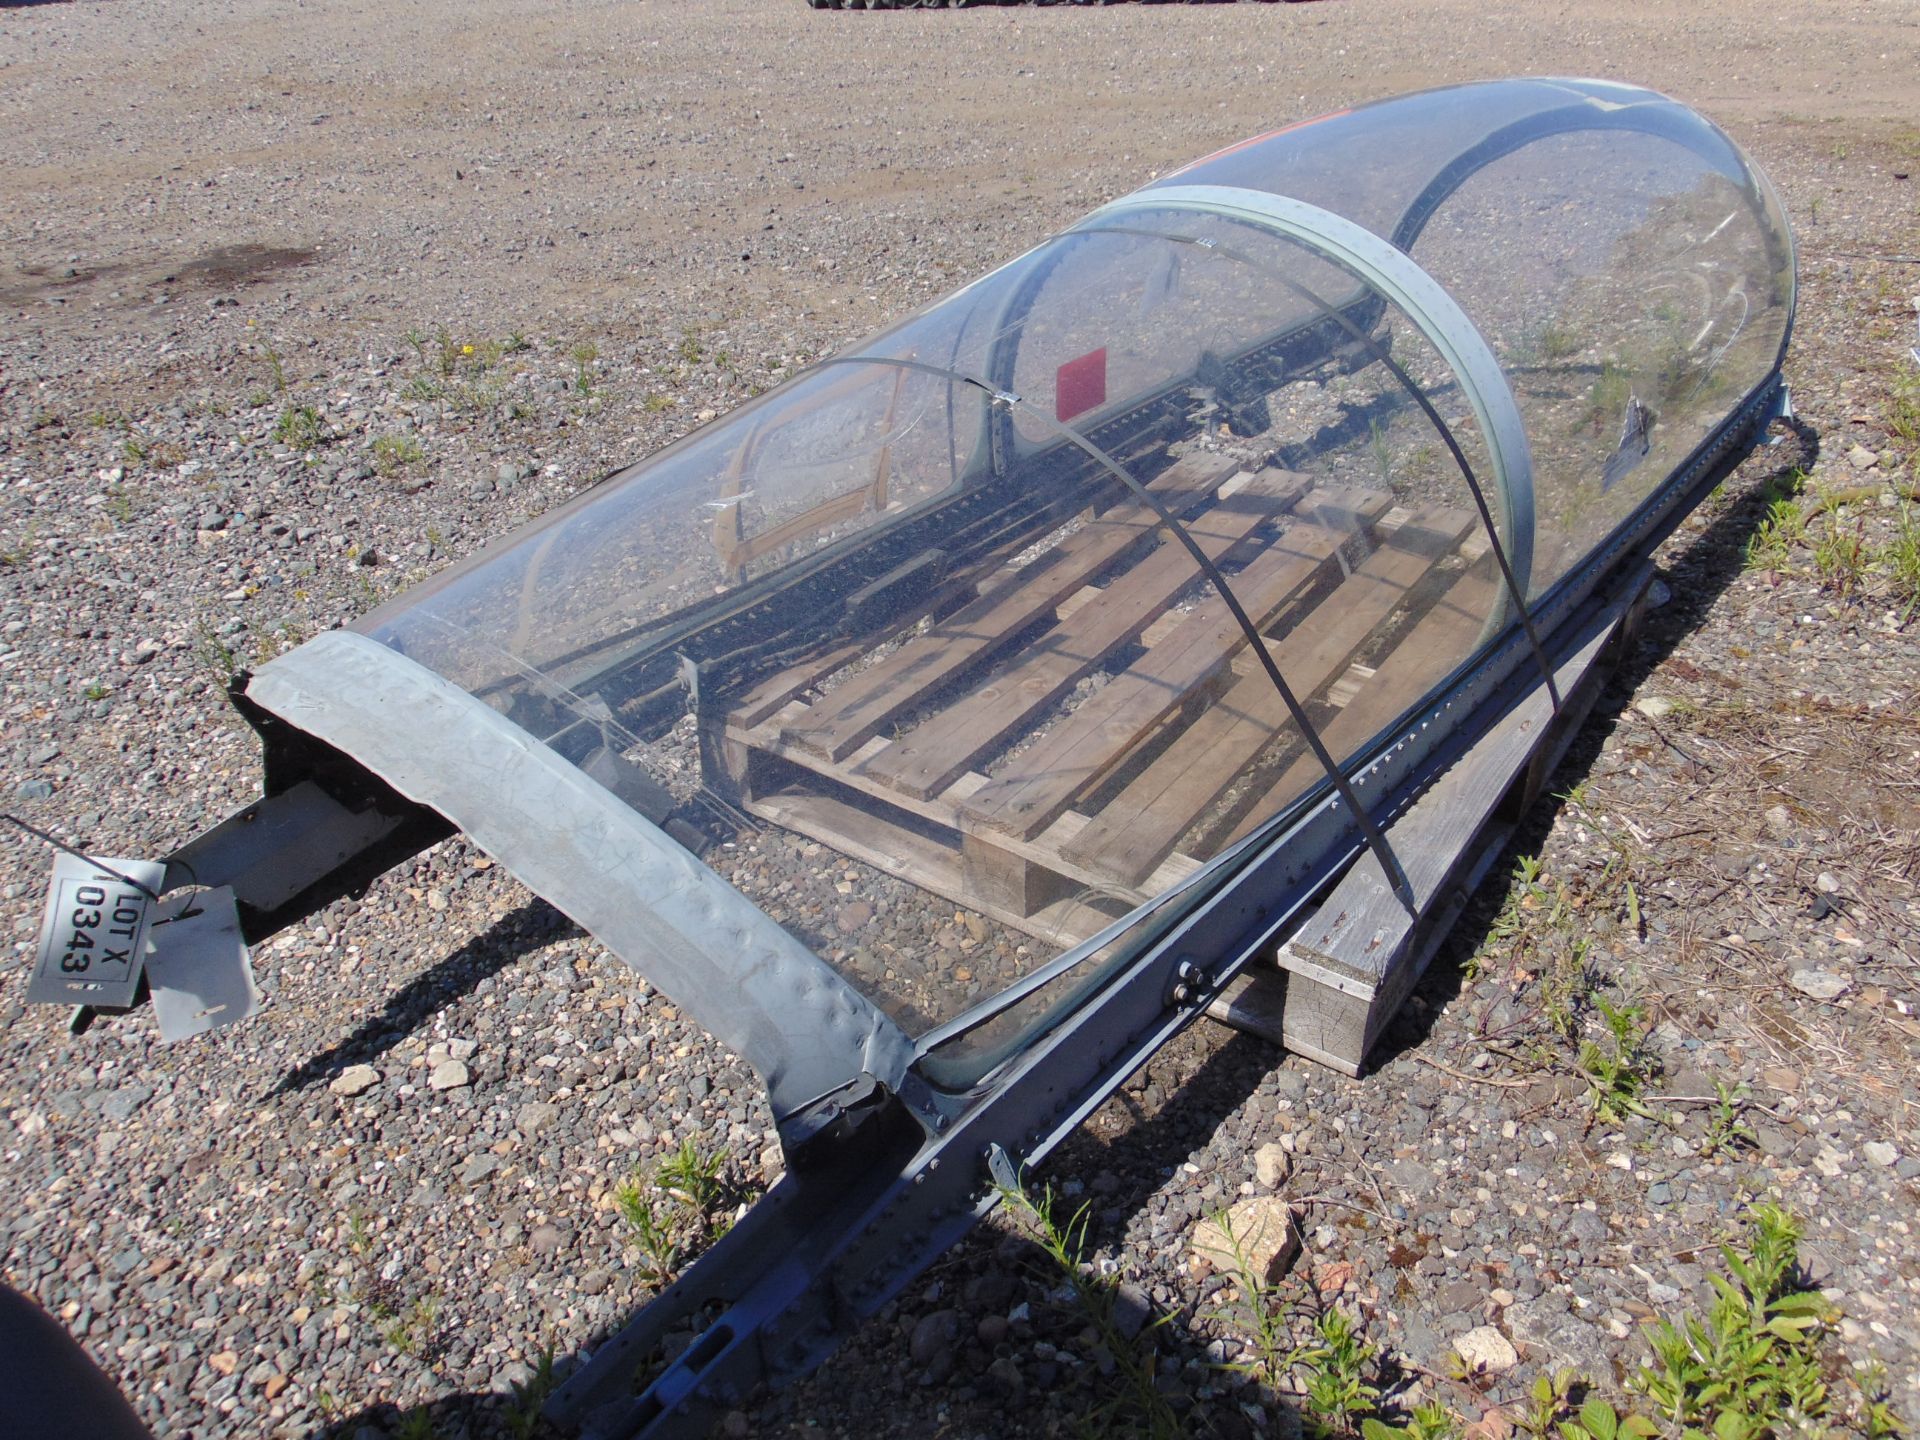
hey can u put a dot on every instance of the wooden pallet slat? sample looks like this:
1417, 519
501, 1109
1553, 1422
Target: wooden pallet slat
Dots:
940, 749
1348, 967
1083, 749
1444, 637
858, 709
1141, 825
771, 695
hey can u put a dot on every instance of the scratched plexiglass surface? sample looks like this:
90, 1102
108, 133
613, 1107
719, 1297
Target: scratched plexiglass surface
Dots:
1630, 269
921, 638
925, 614
1628, 265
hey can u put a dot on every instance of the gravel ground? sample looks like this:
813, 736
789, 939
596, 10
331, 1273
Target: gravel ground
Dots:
244, 252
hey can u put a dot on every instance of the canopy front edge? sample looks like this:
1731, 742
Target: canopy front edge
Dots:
737, 974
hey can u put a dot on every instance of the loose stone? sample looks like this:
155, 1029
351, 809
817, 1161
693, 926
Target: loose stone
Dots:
355, 1080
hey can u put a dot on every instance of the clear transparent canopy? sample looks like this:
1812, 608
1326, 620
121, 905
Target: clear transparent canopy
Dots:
994, 604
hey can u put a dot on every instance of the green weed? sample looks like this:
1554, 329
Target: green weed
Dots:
1726, 1129
1600, 1421
1548, 1400
300, 427
1875, 1416
1551, 342
1617, 1072
523, 1409
583, 355
1538, 929
1771, 545
1134, 1402
654, 1229
1431, 1421
692, 1176
1333, 1366
1750, 1367
676, 1212
1269, 1322
1842, 557
1382, 451
393, 454
1899, 560
416, 1332
1903, 409
215, 653
1607, 399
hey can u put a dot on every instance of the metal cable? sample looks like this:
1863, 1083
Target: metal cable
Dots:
1418, 396
1369, 830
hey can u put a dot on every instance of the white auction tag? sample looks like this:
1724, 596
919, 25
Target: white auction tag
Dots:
197, 964
92, 941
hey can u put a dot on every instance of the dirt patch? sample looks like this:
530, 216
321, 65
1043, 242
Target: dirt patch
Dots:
231, 266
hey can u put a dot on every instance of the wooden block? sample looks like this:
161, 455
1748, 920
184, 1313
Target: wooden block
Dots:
1255, 1001
1308, 1018
1281, 489
872, 750
725, 763
1077, 602
1340, 694
1354, 963
1162, 628
995, 879
1388, 523
1172, 871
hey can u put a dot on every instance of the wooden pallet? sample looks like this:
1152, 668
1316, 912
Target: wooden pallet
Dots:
1341, 976
944, 760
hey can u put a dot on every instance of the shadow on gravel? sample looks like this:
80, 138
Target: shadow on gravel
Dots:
1168, 1114
1698, 573
1115, 1165
534, 924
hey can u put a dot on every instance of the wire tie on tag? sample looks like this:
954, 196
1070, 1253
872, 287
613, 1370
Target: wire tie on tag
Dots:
40, 834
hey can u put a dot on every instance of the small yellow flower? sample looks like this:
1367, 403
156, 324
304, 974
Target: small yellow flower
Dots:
466, 349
